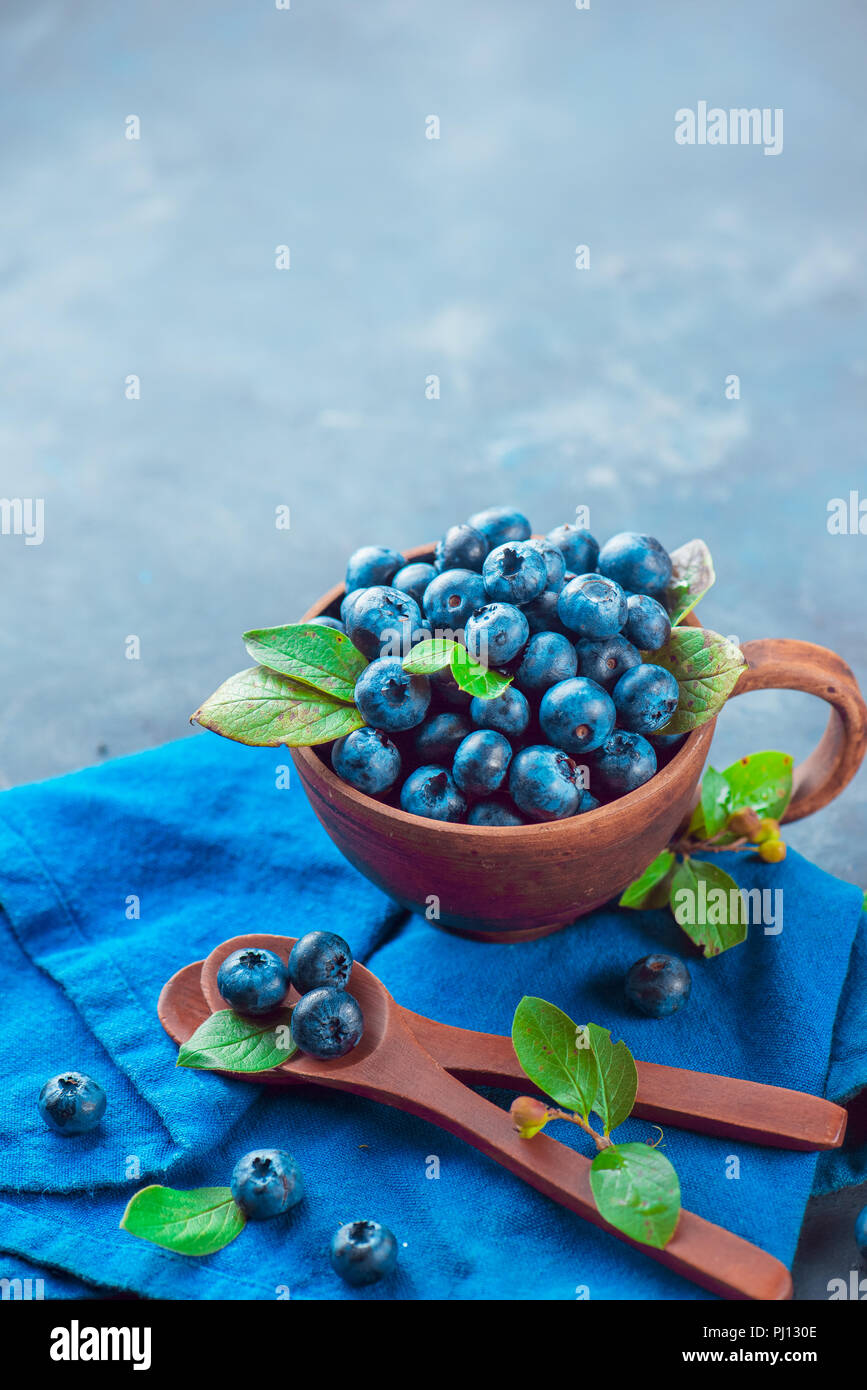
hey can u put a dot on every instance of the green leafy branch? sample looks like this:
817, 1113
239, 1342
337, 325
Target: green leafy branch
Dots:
739, 809
635, 1188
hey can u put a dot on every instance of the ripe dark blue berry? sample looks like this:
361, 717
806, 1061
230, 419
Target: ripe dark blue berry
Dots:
508, 713
389, 698
555, 563
437, 739
645, 698
366, 759
481, 762
604, 659
592, 606
577, 715
637, 563
363, 1252
327, 1023
515, 573
577, 546
252, 980
71, 1103
545, 783
548, 657
372, 564
431, 792
413, 580
327, 622
266, 1183
494, 813
381, 622
658, 985
319, 960
648, 625
623, 762
462, 547
861, 1232
496, 633
451, 598
501, 524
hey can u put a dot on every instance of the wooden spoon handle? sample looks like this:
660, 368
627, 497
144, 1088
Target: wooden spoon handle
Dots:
707, 1254
693, 1100
777, 663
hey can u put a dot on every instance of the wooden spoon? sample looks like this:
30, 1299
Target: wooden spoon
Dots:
391, 1065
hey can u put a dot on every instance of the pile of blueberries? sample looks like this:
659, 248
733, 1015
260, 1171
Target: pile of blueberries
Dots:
581, 722
327, 1021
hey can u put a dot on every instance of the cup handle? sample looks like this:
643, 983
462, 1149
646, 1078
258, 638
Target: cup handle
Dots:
779, 663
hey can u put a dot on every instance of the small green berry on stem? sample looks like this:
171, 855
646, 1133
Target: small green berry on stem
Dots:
768, 830
529, 1115
772, 851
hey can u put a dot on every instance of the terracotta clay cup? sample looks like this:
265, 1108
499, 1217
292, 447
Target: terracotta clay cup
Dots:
519, 882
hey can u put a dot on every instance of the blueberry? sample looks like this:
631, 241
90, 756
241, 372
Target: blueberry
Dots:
347, 603
363, 1252
665, 740
548, 657
658, 985
648, 625
437, 739
266, 1183
515, 573
327, 622
861, 1232
71, 1103
555, 563
638, 563
366, 759
372, 564
545, 783
625, 761
319, 960
462, 547
452, 597
253, 980
431, 792
577, 546
381, 622
494, 813
646, 698
592, 606
541, 613
447, 690
501, 524
496, 633
508, 713
577, 715
413, 580
481, 762
604, 659
327, 1023
587, 803
389, 698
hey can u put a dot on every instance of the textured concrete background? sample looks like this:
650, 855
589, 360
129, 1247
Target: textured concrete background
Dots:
412, 257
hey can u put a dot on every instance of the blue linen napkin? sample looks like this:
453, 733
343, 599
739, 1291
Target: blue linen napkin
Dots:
113, 878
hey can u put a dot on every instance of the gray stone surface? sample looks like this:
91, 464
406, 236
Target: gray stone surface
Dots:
412, 257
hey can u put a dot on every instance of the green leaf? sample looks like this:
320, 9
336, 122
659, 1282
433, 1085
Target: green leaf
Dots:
617, 1083
651, 889
429, 656
190, 1223
264, 709
316, 656
548, 1046
637, 1191
715, 801
709, 906
691, 577
476, 679
763, 781
707, 667
228, 1042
